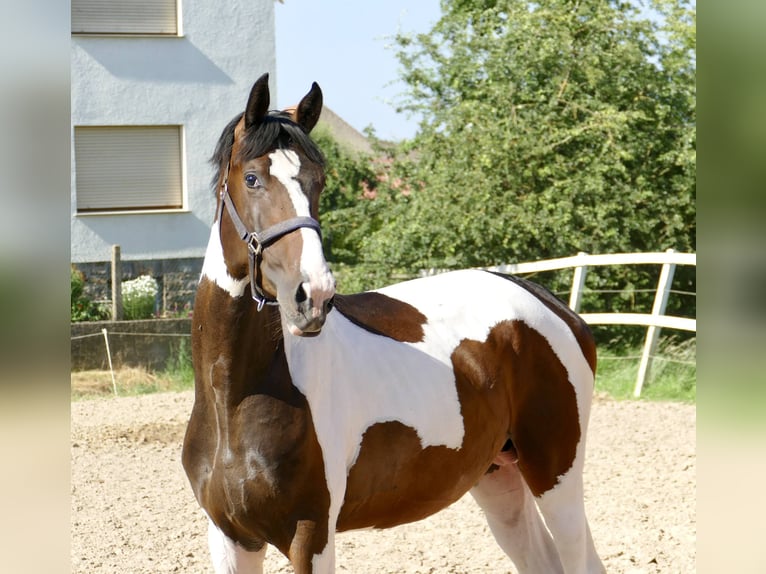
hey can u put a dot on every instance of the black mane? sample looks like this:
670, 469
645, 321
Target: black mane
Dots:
276, 131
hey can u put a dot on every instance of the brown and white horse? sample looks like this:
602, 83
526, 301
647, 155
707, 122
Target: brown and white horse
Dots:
385, 410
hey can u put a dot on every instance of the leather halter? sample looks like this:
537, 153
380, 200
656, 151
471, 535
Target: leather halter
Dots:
258, 241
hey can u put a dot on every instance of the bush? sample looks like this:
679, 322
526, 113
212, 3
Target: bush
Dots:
82, 308
547, 128
138, 296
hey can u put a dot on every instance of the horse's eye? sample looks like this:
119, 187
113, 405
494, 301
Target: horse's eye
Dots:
252, 181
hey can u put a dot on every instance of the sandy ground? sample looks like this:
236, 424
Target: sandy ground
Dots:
133, 511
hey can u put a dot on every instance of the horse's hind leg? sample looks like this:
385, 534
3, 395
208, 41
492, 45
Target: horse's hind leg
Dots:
564, 511
228, 557
514, 520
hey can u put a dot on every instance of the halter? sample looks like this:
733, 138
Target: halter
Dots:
257, 242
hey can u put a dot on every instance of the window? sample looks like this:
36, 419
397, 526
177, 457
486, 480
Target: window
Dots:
125, 17
121, 168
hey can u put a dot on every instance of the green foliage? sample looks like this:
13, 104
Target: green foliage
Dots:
138, 296
82, 308
348, 210
179, 369
548, 128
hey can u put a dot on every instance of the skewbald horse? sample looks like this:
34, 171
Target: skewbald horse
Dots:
385, 410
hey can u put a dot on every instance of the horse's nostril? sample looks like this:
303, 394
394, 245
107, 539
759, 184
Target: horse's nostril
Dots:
300, 295
329, 304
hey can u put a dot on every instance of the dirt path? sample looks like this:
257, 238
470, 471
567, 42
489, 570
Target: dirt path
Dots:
133, 511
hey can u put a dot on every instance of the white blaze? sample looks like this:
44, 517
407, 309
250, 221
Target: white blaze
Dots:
285, 166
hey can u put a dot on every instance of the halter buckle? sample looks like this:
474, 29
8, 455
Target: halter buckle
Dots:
260, 302
254, 245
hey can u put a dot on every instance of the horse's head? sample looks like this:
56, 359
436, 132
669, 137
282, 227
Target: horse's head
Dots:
270, 175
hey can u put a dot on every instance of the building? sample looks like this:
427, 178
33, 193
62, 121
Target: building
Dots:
153, 84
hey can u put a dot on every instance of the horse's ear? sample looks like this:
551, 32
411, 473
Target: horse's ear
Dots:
258, 102
307, 113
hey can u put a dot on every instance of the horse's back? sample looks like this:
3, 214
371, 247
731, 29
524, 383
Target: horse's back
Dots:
471, 302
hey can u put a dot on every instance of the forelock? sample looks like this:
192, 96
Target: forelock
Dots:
275, 131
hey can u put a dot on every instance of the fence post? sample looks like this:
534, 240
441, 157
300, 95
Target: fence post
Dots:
109, 358
578, 284
652, 332
116, 284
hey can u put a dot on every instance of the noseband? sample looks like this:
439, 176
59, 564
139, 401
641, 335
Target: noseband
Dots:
257, 242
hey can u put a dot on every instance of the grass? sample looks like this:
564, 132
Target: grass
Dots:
177, 376
129, 381
672, 374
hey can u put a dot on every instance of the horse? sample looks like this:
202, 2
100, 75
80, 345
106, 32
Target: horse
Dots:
316, 412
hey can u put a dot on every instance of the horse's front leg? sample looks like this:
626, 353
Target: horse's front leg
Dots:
228, 557
312, 551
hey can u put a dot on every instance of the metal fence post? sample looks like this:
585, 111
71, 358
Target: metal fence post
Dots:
653, 332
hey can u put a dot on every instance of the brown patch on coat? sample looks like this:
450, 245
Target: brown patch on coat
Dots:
544, 424
383, 315
396, 481
575, 323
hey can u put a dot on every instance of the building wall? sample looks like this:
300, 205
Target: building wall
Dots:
199, 80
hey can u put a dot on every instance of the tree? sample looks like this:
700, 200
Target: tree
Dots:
347, 211
548, 128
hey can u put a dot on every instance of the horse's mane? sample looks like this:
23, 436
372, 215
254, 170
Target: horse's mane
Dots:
276, 131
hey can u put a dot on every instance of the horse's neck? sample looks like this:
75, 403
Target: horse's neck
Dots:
234, 344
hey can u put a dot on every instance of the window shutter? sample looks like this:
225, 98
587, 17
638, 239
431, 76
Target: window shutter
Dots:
120, 168
124, 17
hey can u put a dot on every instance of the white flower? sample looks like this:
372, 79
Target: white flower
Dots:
138, 296
143, 286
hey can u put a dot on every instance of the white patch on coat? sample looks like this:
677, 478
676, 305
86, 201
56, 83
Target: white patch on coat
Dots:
214, 266
354, 379
285, 166
228, 557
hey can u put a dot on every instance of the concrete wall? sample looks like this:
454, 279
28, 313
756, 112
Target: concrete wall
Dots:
199, 80
149, 344
177, 280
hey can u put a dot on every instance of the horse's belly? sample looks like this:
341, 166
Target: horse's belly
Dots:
396, 480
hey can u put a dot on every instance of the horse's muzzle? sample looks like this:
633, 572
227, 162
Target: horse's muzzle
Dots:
312, 306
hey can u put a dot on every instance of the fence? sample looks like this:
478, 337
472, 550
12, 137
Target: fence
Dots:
580, 263
150, 343
654, 321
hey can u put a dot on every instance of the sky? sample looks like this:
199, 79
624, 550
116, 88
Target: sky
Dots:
347, 48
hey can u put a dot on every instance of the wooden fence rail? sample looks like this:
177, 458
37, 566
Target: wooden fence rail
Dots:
654, 321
